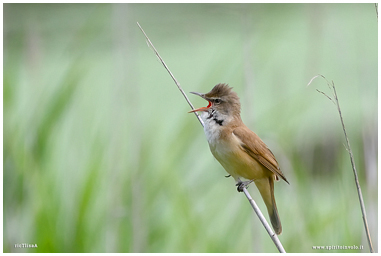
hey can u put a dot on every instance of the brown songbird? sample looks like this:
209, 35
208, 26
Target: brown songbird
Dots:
239, 150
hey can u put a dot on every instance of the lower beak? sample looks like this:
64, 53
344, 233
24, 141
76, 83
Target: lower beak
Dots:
199, 109
203, 108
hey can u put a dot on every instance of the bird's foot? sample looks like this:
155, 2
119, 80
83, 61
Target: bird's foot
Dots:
227, 176
243, 184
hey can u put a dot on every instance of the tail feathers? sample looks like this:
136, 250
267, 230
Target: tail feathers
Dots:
266, 188
275, 221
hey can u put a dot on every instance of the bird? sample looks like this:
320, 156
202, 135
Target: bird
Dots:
238, 149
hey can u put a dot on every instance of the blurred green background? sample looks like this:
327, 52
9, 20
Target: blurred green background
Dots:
100, 154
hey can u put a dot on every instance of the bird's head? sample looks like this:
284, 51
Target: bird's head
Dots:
222, 101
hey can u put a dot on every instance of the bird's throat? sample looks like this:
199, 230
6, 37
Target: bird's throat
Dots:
219, 122
213, 117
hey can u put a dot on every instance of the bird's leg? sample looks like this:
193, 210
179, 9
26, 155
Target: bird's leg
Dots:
242, 184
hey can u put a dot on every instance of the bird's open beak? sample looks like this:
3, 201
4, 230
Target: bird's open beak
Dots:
203, 108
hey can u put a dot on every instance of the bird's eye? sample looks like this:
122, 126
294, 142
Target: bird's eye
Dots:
217, 101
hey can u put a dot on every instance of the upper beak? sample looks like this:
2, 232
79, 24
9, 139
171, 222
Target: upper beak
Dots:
203, 108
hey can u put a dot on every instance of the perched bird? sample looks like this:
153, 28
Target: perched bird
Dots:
239, 150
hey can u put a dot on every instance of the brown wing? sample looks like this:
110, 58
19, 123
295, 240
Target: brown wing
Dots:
258, 150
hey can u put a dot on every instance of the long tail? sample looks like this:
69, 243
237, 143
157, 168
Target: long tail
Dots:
266, 188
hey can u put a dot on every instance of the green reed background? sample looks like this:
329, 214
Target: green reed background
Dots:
100, 154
